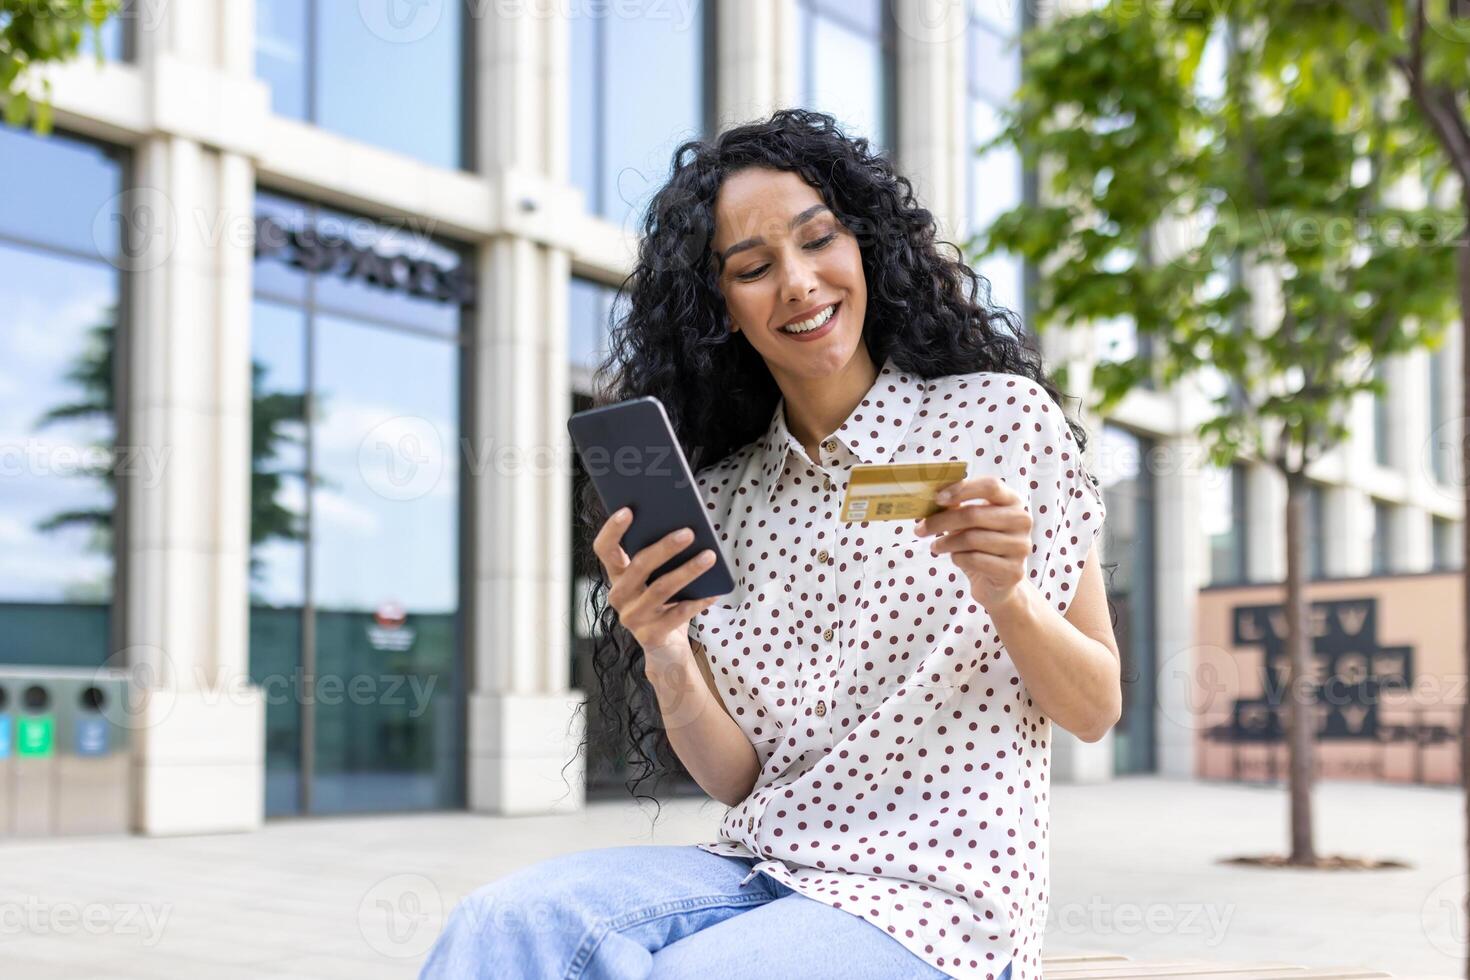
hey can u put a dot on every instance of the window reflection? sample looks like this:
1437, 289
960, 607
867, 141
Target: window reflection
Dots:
1121, 466
627, 118
387, 74
58, 456
993, 178
845, 62
1223, 516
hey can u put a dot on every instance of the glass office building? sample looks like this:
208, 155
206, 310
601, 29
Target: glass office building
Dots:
287, 348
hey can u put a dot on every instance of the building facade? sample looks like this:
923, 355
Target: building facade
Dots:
298, 299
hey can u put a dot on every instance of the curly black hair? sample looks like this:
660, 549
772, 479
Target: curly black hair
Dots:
669, 337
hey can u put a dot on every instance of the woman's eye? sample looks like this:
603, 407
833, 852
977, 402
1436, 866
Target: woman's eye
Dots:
814, 244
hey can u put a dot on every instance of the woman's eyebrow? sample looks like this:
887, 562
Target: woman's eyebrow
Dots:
801, 218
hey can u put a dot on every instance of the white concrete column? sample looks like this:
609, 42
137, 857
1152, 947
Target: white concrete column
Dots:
932, 145
523, 721
1266, 532
1408, 414
1347, 519
199, 762
754, 76
1412, 534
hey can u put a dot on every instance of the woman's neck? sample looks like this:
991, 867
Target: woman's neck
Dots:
815, 408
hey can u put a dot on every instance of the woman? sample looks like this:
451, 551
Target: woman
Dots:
874, 701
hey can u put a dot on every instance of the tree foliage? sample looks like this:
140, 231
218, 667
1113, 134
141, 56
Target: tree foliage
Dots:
35, 33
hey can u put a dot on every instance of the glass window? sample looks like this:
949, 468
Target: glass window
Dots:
1447, 546
388, 74
1128, 554
639, 89
58, 455
354, 564
1382, 536
1316, 525
846, 66
993, 179
590, 306
1224, 518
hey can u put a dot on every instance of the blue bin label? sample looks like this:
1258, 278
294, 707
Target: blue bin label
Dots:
4, 735
91, 736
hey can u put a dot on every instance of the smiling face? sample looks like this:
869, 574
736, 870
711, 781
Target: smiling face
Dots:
775, 272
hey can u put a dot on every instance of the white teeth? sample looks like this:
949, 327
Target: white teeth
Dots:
807, 325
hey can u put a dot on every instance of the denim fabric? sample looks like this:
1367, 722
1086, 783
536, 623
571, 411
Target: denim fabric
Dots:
659, 911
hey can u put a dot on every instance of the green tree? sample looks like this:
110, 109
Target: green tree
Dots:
1247, 224
35, 33
274, 418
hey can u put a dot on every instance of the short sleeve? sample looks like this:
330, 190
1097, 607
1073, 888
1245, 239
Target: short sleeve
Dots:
1065, 502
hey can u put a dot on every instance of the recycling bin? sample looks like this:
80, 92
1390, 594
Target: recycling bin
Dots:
33, 764
7, 750
65, 752
93, 760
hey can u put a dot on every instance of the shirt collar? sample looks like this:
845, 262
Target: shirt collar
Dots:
871, 437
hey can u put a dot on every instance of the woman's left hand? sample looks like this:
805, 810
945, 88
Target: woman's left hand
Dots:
989, 541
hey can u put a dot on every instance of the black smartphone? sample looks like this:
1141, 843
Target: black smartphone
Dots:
633, 459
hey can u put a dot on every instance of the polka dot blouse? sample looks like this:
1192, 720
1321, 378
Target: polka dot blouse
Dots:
904, 769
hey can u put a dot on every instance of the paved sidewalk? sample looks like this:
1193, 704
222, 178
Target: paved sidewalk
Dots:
1133, 872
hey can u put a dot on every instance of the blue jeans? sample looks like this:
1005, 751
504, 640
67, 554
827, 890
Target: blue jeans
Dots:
659, 911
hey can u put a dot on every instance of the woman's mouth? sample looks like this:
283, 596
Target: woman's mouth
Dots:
820, 324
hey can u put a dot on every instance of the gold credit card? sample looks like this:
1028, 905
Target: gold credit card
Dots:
898, 491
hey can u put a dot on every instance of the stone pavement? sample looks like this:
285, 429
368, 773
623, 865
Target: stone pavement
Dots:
1133, 871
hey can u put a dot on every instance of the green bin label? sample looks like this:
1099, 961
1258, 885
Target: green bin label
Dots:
34, 735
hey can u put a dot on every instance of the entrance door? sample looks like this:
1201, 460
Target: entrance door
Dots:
355, 627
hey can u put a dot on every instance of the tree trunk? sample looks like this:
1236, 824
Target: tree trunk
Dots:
1464, 264
1301, 716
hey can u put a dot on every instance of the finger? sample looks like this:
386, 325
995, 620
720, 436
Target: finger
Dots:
990, 487
663, 587
607, 544
654, 555
984, 542
686, 609
989, 516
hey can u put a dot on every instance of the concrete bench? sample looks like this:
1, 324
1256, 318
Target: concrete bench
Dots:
1110, 966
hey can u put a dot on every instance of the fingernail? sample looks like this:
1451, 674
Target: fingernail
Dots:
919, 527
622, 513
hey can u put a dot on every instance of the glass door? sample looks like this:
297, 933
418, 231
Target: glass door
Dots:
354, 568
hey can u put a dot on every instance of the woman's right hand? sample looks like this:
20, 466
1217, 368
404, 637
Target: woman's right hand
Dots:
660, 627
